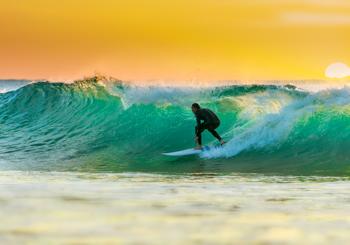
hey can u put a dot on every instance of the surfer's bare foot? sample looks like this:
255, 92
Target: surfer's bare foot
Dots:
222, 142
198, 147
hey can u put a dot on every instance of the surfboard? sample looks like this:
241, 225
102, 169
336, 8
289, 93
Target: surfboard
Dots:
186, 152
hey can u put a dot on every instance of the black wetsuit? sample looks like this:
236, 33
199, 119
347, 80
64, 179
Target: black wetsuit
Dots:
210, 122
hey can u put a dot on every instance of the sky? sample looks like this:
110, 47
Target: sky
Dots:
185, 40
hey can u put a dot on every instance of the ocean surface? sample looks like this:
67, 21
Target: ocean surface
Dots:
82, 162
130, 208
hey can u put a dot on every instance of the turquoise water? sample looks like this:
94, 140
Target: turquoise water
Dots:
95, 126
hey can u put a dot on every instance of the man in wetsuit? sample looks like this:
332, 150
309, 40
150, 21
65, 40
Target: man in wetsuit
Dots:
210, 122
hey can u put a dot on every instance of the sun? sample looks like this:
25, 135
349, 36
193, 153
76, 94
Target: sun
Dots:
337, 70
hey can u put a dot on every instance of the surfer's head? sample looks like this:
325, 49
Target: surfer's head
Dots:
195, 107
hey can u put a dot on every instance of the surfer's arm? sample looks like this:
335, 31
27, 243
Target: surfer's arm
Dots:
196, 137
198, 121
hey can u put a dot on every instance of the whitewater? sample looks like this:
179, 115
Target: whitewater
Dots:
114, 126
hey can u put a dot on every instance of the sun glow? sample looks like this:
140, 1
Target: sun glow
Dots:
337, 70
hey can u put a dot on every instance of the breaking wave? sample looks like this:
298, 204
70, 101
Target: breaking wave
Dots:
94, 125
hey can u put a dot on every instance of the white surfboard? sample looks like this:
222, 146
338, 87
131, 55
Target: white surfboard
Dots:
186, 152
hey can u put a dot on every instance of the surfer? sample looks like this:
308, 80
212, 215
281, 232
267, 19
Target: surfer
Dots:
210, 122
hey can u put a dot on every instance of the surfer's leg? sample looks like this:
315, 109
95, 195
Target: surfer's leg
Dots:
211, 129
215, 134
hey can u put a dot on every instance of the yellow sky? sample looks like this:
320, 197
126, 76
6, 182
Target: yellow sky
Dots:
173, 39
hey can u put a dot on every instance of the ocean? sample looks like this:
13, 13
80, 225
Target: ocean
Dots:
82, 162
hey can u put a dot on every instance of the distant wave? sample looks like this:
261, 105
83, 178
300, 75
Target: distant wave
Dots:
9, 85
99, 125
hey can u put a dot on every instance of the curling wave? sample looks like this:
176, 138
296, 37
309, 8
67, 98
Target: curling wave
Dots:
94, 125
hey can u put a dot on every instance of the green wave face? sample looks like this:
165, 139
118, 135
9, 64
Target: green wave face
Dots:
94, 126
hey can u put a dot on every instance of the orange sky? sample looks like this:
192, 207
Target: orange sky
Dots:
173, 40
